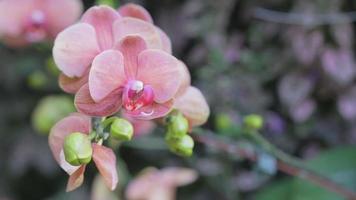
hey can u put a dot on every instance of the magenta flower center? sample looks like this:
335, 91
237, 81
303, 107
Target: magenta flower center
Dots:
35, 28
137, 95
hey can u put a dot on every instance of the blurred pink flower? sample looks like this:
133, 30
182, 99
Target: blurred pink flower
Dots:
303, 110
193, 106
101, 28
143, 81
153, 184
23, 22
339, 65
346, 104
104, 158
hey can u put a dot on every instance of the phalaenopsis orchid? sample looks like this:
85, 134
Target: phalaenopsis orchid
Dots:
121, 69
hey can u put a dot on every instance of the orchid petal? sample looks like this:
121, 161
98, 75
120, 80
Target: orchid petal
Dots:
76, 179
106, 74
102, 19
166, 42
193, 106
105, 161
162, 71
135, 11
75, 48
131, 26
72, 85
131, 47
108, 106
66, 126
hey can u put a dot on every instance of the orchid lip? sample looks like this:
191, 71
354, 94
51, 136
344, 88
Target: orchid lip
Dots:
137, 95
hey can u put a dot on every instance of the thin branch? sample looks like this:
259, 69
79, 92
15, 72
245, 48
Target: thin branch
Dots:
304, 19
283, 165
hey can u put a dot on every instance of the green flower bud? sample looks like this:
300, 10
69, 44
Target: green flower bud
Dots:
178, 125
111, 3
77, 149
253, 121
182, 146
121, 129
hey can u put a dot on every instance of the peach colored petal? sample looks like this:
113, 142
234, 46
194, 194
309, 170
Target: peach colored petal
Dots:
131, 26
162, 71
106, 74
135, 11
179, 176
186, 79
131, 47
70, 124
166, 42
151, 112
106, 107
102, 19
75, 48
72, 85
105, 161
193, 106
57, 20
76, 179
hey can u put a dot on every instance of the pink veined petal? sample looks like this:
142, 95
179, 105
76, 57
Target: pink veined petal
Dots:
141, 187
186, 81
106, 107
179, 176
135, 11
102, 19
166, 42
72, 85
75, 48
106, 74
76, 179
13, 16
131, 47
193, 106
68, 125
105, 161
131, 26
60, 14
162, 71
153, 111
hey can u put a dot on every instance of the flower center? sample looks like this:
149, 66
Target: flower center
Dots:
137, 95
35, 29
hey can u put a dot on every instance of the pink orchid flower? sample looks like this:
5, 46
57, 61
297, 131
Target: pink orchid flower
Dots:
101, 28
140, 80
23, 22
104, 158
193, 106
153, 184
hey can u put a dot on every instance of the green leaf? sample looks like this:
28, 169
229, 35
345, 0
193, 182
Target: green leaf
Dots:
337, 164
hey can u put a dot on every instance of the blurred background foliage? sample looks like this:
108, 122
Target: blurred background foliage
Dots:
298, 74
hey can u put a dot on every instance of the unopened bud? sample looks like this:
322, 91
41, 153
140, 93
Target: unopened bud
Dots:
121, 129
77, 149
253, 121
178, 125
182, 146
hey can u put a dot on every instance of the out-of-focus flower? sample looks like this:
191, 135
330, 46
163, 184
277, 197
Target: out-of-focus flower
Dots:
101, 28
24, 22
143, 81
294, 88
339, 65
153, 184
275, 123
104, 158
306, 46
346, 104
193, 106
302, 111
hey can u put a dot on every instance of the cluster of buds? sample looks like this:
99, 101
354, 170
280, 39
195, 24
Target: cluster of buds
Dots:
117, 62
